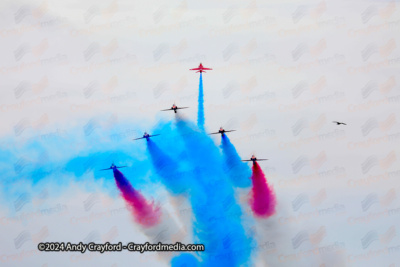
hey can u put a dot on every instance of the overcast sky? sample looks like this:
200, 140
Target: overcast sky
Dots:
282, 72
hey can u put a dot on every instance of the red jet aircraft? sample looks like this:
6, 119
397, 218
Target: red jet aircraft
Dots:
146, 136
222, 131
174, 108
253, 159
201, 68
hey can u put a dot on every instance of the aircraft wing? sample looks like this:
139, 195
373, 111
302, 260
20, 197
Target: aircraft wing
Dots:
182, 107
230, 131
111, 168
215, 133
195, 69
344, 123
166, 109
139, 138
153, 135
207, 69
246, 160
261, 159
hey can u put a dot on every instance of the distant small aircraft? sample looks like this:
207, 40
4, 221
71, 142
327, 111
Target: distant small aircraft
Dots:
253, 159
338, 123
146, 136
200, 68
222, 131
174, 108
113, 167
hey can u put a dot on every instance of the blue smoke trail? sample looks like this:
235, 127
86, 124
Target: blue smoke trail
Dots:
187, 162
238, 171
200, 111
53, 162
217, 216
184, 260
166, 168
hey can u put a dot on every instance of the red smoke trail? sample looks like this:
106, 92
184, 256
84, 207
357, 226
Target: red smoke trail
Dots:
143, 212
262, 200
